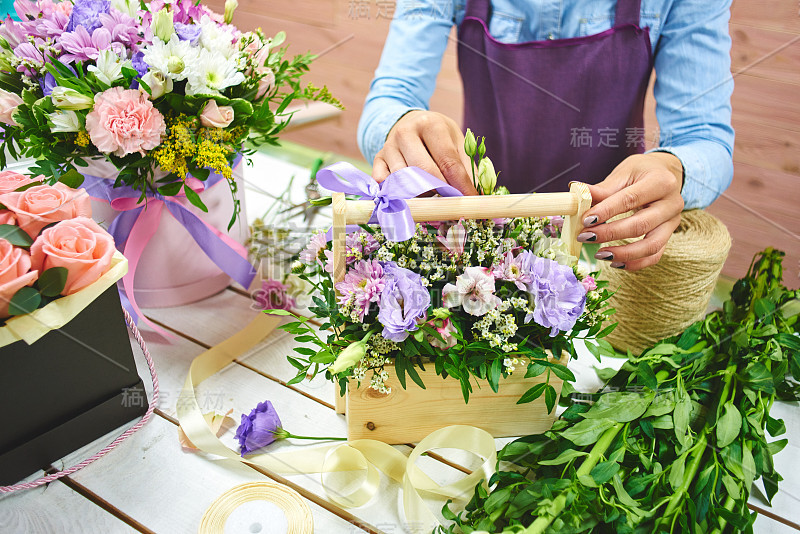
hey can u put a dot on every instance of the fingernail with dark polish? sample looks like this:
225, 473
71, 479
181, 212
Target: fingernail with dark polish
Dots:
605, 255
618, 265
587, 237
590, 221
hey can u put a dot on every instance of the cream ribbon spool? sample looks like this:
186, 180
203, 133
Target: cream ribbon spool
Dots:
293, 506
365, 455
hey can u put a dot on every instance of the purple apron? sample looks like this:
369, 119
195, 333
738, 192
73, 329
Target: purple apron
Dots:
558, 110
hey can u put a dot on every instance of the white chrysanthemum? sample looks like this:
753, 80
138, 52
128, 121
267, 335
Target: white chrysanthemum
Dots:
173, 58
216, 38
109, 66
212, 73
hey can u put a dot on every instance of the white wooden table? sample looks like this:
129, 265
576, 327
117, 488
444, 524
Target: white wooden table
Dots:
149, 484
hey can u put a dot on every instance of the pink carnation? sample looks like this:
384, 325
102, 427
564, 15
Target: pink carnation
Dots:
589, 284
124, 121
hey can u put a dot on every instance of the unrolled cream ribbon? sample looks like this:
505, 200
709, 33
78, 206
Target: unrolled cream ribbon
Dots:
367, 456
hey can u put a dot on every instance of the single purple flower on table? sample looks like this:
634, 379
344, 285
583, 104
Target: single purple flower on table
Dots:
262, 426
362, 284
188, 32
273, 295
258, 428
86, 13
559, 297
404, 302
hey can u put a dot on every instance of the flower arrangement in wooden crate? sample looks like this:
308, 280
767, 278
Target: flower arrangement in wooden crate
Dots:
474, 298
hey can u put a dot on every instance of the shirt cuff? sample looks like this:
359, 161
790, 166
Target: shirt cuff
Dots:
699, 189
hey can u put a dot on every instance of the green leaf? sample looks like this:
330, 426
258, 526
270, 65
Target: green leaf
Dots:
279, 312
71, 178
777, 446
170, 190
731, 486
400, 369
194, 198
662, 404
680, 416
748, 466
562, 372
534, 369
623, 495
758, 377
676, 471
414, 375
323, 357
604, 471
15, 235
550, 398
532, 394
775, 427
729, 425
495, 372
565, 456
789, 341
646, 374
24, 301
587, 431
297, 364
620, 406
52, 281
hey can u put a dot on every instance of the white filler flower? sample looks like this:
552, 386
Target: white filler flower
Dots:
211, 74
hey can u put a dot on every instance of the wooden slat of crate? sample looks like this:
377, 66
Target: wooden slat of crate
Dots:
410, 414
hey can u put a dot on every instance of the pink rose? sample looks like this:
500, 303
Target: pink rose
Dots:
80, 245
7, 217
589, 284
124, 121
15, 273
266, 82
273, 295
8, 106
214, 116
11, 181
41, 205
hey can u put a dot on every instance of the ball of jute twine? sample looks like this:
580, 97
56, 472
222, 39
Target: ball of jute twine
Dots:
296, 510
662, 300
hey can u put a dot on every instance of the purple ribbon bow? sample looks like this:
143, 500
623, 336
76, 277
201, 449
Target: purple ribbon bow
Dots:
391, 209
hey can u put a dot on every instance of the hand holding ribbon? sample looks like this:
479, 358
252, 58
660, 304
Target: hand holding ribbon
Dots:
391, 210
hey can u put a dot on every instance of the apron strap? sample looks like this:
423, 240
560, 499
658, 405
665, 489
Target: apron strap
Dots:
627, 12
479, 9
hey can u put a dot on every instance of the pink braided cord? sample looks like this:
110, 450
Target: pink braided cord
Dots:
122, 437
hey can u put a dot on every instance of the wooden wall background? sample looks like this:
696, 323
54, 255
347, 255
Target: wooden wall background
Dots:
761, 207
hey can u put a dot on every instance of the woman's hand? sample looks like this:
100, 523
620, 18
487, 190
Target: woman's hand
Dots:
650, 184
430, 141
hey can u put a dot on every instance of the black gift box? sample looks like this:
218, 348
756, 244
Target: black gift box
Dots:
67, 389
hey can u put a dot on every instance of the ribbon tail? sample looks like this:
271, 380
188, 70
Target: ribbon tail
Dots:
140, 233
228, 259
396, 220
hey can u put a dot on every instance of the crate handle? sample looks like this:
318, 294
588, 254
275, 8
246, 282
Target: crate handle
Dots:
571, 205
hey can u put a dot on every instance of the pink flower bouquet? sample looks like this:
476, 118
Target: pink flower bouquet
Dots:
166, 87
49, 245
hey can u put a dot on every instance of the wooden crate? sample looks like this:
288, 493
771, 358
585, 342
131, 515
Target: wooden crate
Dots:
408, 415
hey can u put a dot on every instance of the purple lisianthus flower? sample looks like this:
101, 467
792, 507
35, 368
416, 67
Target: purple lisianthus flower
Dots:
47, 83
188, 32
404, 302
559, 297
86, 13
138, 62
259, 428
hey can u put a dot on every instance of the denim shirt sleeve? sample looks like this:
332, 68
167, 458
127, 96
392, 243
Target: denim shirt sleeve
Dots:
693, 89
406, 76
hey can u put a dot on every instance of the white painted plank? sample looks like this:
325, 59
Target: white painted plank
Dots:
55, 508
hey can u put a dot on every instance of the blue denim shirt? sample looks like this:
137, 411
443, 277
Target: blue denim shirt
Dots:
691, 47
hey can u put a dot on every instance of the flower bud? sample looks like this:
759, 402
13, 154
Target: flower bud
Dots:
162, 25
158, 83
175, 65
67, 98
350, 356
230, 7
470, 145
482, 148
487, 179
64, 121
